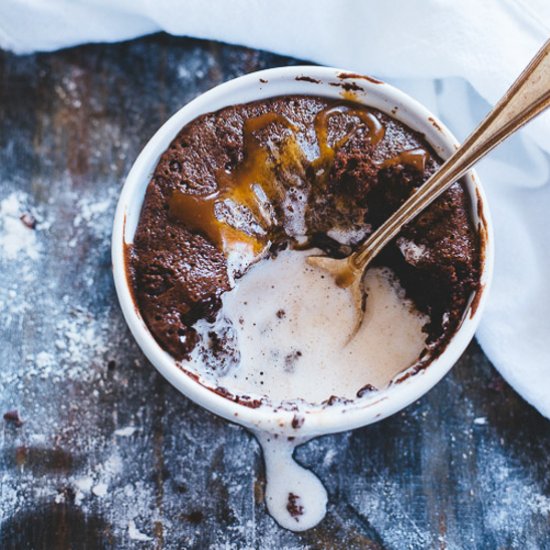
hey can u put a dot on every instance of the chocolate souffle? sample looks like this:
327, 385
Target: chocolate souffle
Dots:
250, 180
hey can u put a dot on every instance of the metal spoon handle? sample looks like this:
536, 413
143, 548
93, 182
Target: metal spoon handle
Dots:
526, 98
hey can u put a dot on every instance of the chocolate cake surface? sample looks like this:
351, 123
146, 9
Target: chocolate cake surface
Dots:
299, 172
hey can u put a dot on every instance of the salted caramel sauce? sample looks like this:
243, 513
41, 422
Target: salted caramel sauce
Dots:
257, 168
321, 124
416, 158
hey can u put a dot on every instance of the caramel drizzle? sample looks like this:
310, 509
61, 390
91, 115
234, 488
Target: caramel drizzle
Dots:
327, 151
256, 168
199, 213
254, 185
416, 158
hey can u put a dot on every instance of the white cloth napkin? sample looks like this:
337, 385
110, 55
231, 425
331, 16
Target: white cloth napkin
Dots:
455, 57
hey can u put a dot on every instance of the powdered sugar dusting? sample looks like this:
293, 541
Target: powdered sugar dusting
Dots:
126, 432
15, 237
513, 500
135, 534
76, 347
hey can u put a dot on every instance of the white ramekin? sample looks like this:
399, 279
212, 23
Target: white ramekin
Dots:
307, 80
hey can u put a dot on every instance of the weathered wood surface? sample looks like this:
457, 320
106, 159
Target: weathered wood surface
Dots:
109, 453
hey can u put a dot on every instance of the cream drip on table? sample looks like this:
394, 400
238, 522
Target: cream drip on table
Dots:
295, 497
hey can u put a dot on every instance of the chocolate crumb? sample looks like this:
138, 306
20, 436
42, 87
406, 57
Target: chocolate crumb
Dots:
367, 388
435, 124
363, 76
332, 400
28, 220
291, 359
281, 314
348, 86
308, 79
13, 416
297, 422
295, 509
111, 365
244, 400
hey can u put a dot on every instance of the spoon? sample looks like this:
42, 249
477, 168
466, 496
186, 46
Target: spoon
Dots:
528, 96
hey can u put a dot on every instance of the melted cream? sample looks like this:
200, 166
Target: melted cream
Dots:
293, 325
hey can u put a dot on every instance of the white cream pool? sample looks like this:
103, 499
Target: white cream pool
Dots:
293, 328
